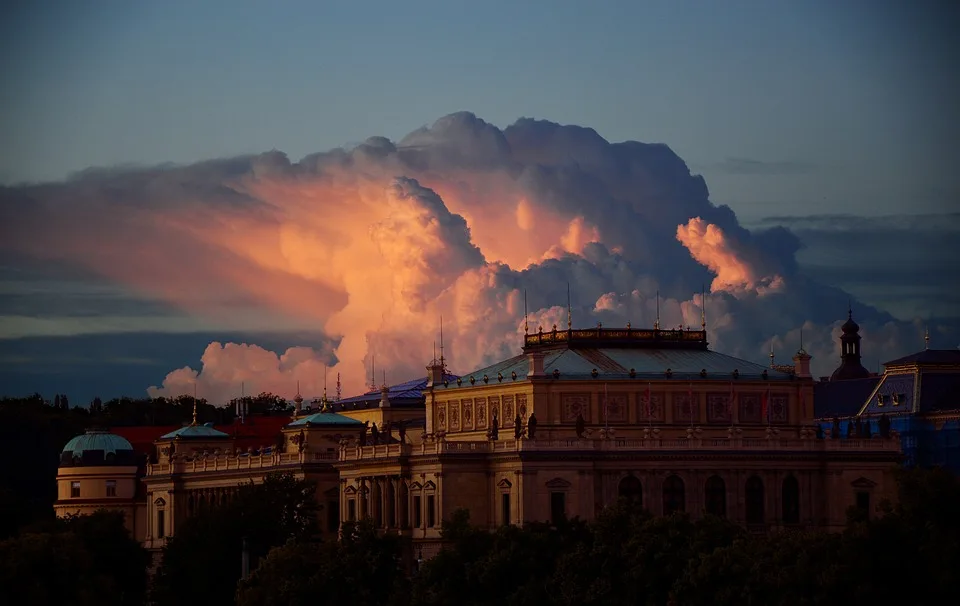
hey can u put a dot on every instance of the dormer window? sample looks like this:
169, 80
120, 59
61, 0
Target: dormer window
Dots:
880, 399
899, 398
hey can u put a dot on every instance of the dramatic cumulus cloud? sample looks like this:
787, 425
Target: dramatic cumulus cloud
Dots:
372, 245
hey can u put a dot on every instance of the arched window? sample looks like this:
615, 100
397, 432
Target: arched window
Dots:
715, 495
790, 499
674, 495
631, 489
755, 500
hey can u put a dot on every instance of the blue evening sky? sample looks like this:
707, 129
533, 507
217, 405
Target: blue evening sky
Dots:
786, 107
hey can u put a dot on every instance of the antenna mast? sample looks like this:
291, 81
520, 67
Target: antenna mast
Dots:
443, 366
656, 325
569, 309
703, 308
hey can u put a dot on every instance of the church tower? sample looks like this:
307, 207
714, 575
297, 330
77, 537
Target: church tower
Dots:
850, 366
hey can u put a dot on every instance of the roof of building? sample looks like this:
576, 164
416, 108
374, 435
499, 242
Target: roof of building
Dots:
195, 431
97, 440
936, 357
623, 363
407, 394
842, 398
142, 437
325, 418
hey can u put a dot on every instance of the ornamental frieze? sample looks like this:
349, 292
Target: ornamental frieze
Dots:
686, 408
573, 404
507, 411
719, 408
613, 408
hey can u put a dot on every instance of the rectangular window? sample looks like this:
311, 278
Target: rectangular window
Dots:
74, 489
352, 510
558, 507
111, 488
863, 502
333, 516
161, 528
417, 512
431, 511
505, 508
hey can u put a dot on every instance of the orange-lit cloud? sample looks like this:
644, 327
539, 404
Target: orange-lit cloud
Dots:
373, 245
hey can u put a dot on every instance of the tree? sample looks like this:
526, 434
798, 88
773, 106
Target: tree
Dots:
361, 569
77, 560
203, 557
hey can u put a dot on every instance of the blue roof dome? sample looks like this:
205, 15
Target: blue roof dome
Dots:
326, 418
195, 431
97, 440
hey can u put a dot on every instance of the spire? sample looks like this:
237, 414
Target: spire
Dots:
526, 326
373, 372
801, 339
443, 367
656, 325
324, 383
772, 365
849, 309
926, 338
338, 387
297, 402
569, 309
703, 308
194, 403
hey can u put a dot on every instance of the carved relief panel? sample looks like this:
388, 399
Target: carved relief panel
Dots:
751, 408
613, 408
779, 408
442, 415
481, 413
466, 406
573, 404
507, 407
522, 405
719, 408
686, 408
494, 410
453, 416
652, 411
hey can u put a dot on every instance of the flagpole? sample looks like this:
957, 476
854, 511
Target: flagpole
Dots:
606, 403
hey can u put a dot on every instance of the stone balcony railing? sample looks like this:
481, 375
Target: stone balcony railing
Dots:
224, 462
437, 447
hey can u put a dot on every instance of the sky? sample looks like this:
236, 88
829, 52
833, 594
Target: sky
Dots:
834, 121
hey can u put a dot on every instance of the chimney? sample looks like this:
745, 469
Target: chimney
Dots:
434, 374
535, 359
384, 397
801, 364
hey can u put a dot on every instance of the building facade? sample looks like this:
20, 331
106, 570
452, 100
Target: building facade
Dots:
575, 421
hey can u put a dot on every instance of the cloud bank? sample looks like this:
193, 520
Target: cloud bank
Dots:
372, 245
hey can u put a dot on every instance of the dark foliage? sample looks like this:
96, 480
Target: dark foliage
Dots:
78, 560
203, 559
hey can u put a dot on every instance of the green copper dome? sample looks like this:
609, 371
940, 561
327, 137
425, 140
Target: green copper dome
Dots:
97, 440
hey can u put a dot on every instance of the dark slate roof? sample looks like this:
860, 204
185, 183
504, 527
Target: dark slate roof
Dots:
897, 390
929, 356
617, 363
939, 391
408, 394
842, 398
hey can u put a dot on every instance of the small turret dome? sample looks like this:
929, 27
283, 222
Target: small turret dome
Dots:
850, 327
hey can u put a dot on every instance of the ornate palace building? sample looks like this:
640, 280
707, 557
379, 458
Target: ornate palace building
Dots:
918, 396
576, 420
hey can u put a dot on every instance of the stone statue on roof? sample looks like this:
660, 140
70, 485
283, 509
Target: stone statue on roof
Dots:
375, 434
494, 433
532, 426
517, 427
581, 425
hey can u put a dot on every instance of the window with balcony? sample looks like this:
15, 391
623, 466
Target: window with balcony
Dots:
74, 490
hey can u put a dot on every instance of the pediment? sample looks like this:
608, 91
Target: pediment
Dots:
430, 486
504, 483
350, 490
160, 502
416, 486
863, 483
558, 483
